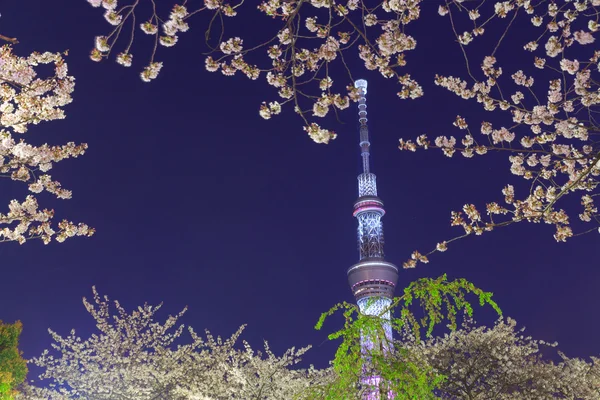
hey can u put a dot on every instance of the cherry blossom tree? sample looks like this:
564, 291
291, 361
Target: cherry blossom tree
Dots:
133, 357
26, 99
501, 363
549, 104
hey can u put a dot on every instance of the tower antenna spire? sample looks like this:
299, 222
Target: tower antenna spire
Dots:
361, 85
372, 279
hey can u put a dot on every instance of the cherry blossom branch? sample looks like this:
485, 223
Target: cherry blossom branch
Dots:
287, 56
22, 87
557, 156
9, 39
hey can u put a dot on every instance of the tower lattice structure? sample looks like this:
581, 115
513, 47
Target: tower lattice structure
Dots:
372, 279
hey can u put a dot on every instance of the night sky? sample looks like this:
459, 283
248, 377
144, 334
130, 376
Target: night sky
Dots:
198, 201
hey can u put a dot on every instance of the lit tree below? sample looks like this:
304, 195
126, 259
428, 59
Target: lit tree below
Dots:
501, 363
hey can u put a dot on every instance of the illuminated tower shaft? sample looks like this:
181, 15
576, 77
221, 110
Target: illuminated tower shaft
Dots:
372, 279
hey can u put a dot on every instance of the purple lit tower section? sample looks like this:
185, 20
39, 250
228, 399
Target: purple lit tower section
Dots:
372, 279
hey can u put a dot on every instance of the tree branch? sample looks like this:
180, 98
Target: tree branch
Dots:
8, 39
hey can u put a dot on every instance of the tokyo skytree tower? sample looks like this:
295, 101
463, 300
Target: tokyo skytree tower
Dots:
372, 279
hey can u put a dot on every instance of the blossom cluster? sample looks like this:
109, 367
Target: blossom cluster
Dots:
25, 99
308, 48
164, 29
550, 130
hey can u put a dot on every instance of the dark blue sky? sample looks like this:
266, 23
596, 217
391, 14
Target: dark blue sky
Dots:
198, 201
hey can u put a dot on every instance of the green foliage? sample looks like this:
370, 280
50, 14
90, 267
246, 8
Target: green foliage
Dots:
435, 295
409, 378
13, 368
